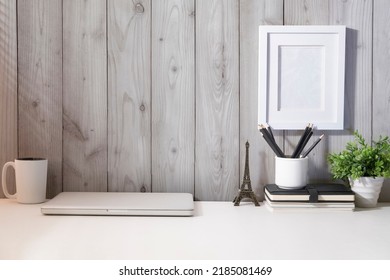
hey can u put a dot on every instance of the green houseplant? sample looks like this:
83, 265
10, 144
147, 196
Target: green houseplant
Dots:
364, 166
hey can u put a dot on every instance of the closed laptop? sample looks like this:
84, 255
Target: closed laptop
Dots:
120, 203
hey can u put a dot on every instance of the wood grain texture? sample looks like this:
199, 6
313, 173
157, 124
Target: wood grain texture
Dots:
217, 100
173, 96
306, 12
129, 103
381, 77
174, 106
8, 87
357, 16
40, 85
84, 96
261, 158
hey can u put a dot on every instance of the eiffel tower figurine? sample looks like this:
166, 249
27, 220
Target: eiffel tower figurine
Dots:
246, 186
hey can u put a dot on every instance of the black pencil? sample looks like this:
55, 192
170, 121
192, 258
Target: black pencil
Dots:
308, 136
267, 137
312, 147
301, 141
269, 142
270, 132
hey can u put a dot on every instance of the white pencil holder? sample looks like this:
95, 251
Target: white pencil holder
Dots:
291, 173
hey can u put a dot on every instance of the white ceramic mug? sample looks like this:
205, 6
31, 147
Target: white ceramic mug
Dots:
31, 177
291, 173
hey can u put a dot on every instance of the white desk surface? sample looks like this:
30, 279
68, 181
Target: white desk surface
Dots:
218, 230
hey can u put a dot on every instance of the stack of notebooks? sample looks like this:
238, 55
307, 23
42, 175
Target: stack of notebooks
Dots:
315, 197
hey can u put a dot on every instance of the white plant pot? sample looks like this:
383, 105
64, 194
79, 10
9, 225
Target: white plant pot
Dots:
367, 190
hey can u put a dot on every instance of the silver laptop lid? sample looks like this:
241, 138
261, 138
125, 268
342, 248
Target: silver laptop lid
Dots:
120, 203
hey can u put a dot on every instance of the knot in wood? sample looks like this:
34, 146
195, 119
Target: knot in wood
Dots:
139, 8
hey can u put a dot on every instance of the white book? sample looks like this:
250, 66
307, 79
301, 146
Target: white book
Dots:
306, 209
292, 204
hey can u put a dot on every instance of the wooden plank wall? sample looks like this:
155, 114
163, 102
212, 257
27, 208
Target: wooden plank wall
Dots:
129, 96
84, 96
217, 99
149, 95
173, 95
40, 85
8, 86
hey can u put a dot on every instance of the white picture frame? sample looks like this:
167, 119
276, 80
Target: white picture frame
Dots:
301, 76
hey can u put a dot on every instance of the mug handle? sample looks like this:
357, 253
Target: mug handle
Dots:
4, 181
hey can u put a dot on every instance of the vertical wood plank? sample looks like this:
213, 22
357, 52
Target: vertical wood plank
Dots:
129, 104
173, 117
261, 158
40, 85
84, 95
217, 99
357, 16
8, 85
381, 77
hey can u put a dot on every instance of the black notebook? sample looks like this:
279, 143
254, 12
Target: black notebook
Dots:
311, 193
